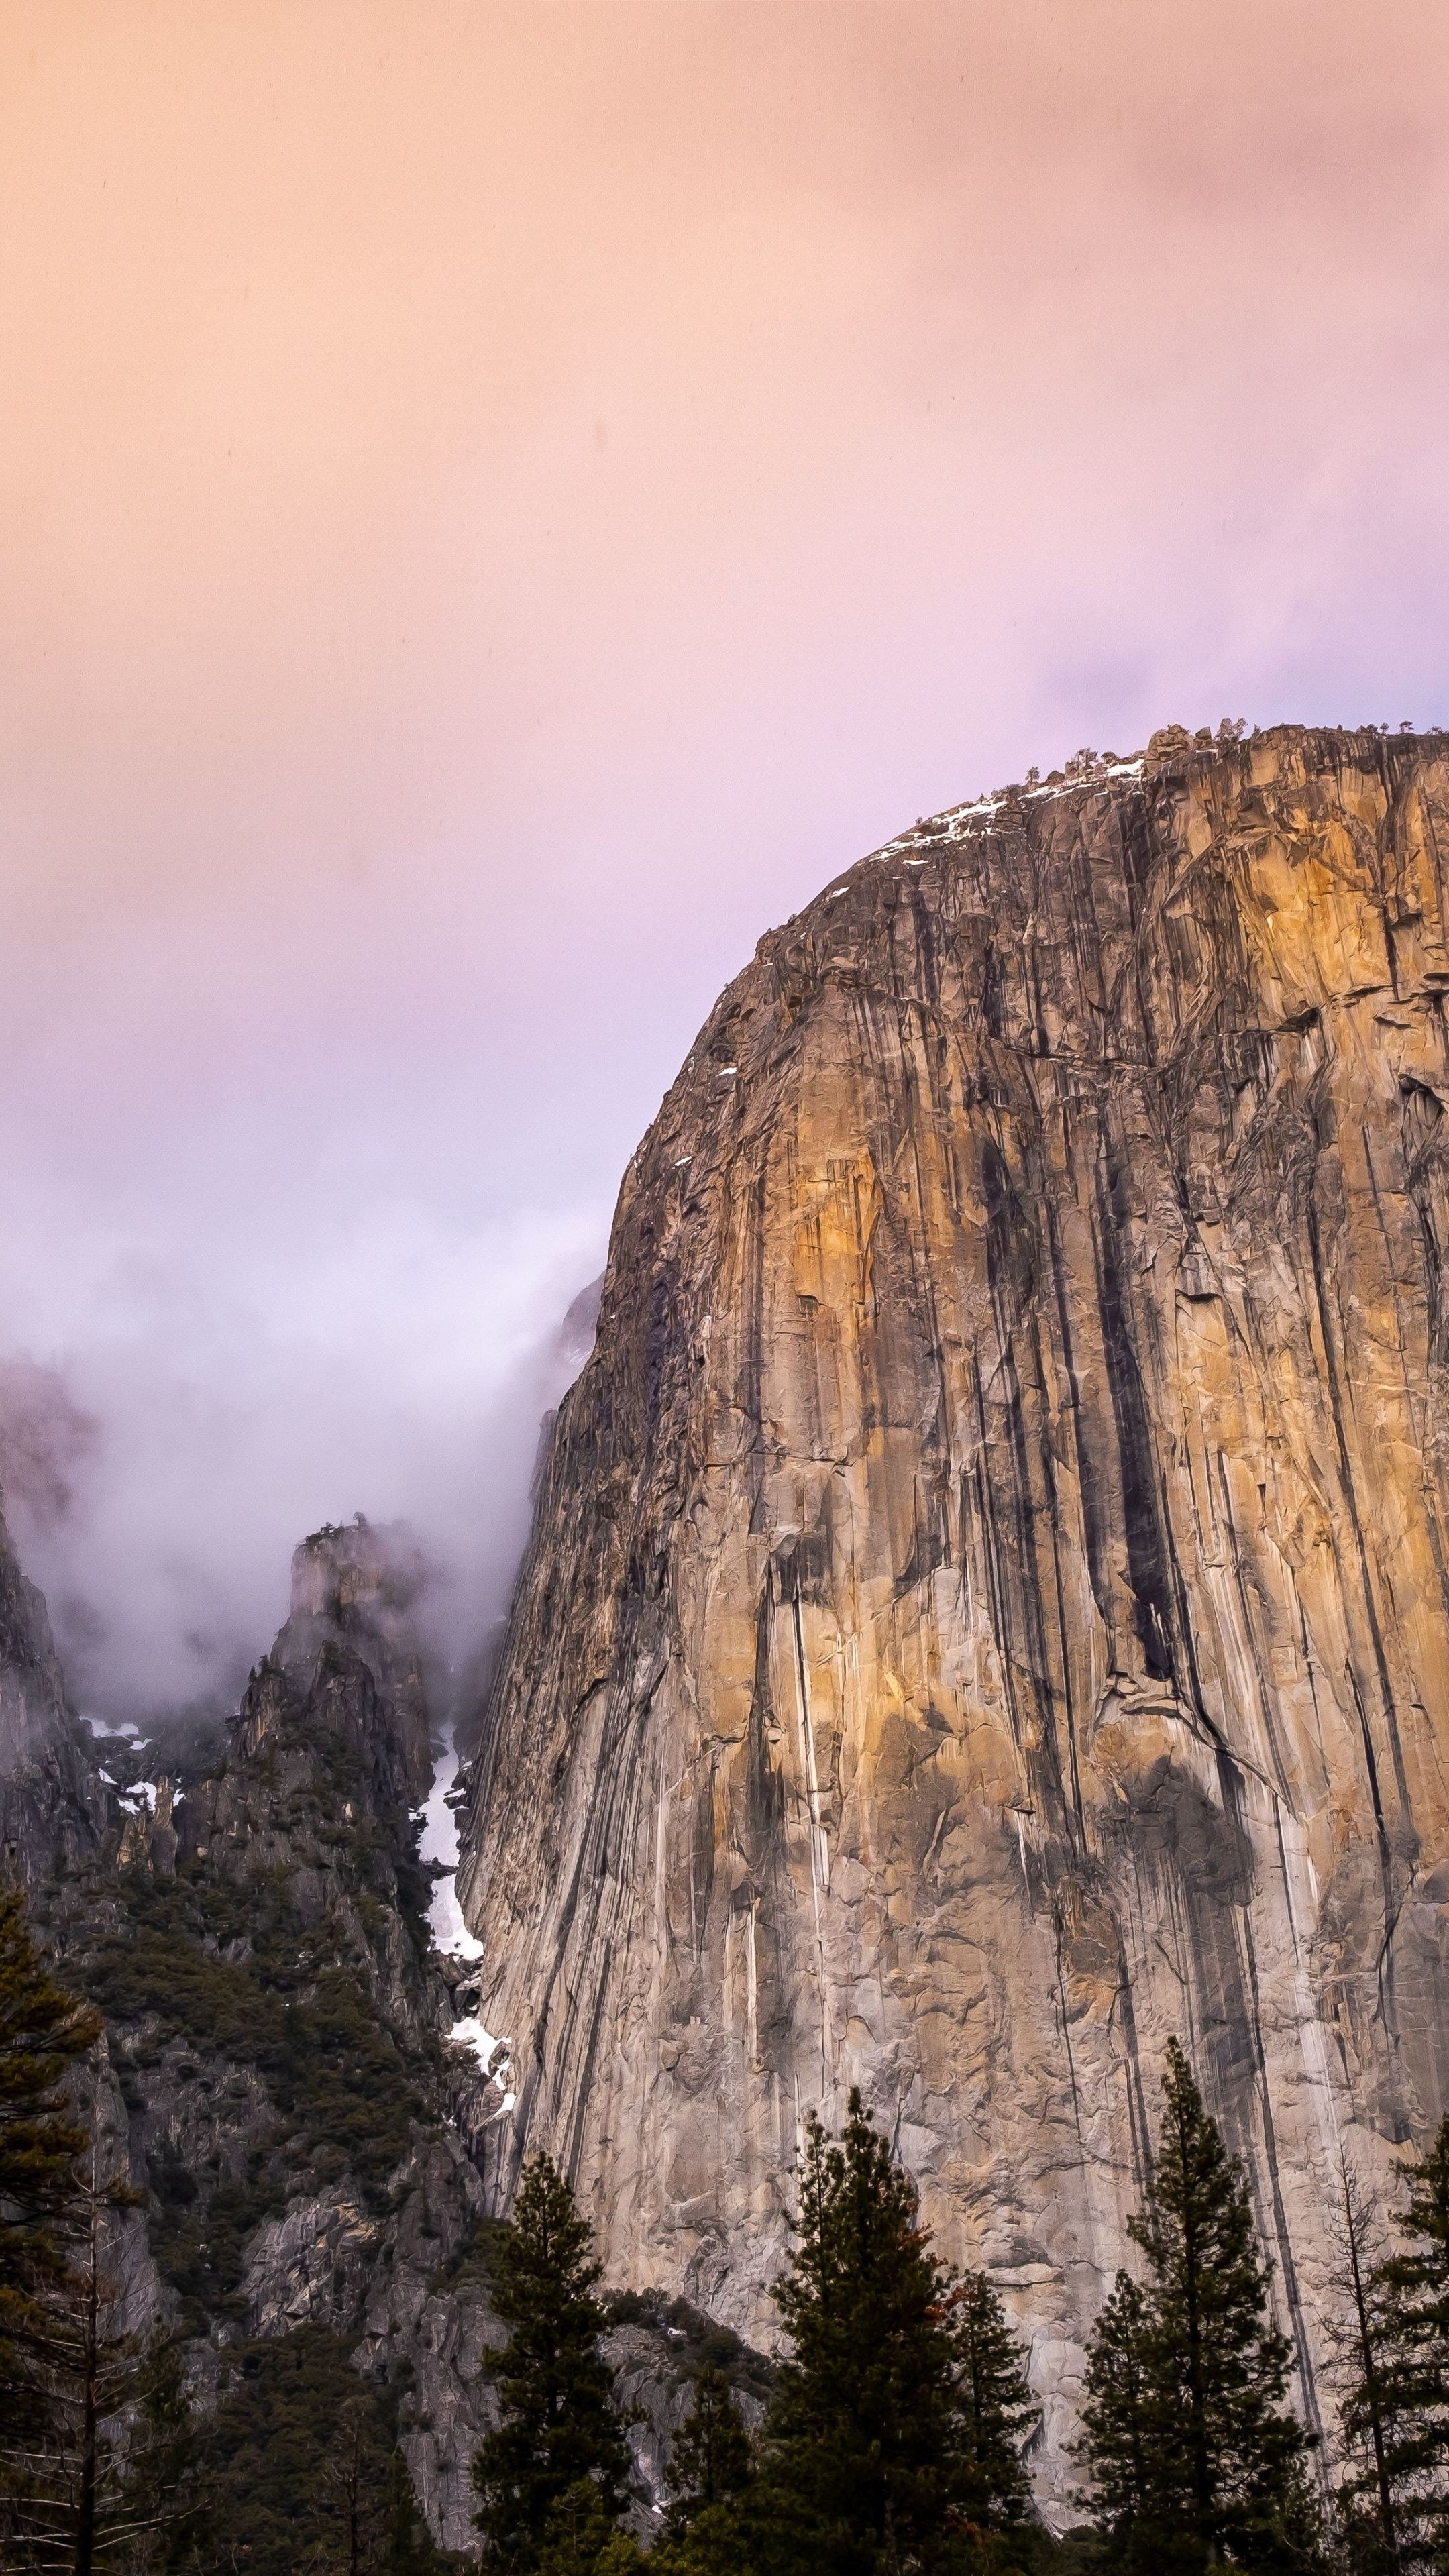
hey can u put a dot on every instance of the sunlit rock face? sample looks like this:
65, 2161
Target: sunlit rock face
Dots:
987, 1606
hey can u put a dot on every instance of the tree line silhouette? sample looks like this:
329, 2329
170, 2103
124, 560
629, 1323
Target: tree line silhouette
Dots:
896, 2434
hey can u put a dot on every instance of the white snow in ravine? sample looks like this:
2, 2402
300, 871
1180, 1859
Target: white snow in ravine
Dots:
439, 1842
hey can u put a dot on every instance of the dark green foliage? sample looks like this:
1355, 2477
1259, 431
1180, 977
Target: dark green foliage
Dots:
202, 2245
299, 2457
710, 2462
580, 2540
555, 2389
1372, 2419
1192, 2456
997, 2411
880, 2451
475, 2260
43, 2030
1395, 2498
72, 2377
1120, 2417
718, 2542
407, 2545
346, 2097
161, 2489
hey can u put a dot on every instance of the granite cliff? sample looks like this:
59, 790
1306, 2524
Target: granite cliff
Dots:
52, 1805
310, 2153
291, 2076
987, 1605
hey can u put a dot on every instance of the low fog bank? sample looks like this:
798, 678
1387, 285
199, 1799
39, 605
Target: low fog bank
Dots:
158, 1473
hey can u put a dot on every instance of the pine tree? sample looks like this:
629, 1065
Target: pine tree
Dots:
879, 2446
997, 2409
710, 2463
1122, 2434
161, 2494
355, 2482
1192, 2456
407, 2544
1379, 2432
559, 2423
77, 2375
1408, 2303
43, 2030
580, 2540
722, 2540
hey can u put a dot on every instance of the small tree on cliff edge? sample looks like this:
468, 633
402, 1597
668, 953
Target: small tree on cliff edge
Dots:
556, 2391
1192, 2456
900, 2419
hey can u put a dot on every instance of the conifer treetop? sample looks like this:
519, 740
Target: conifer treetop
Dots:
1185, 2429
560, 2427
897, 2423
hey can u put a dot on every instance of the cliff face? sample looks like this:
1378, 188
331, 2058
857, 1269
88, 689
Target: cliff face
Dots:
275, 2020
987, 1605
314, 2165
52, 1807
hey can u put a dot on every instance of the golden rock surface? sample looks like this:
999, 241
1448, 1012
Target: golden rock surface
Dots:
988, 1602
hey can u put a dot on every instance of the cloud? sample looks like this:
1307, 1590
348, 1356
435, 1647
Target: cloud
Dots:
200, 1436
396, 766
45, 1440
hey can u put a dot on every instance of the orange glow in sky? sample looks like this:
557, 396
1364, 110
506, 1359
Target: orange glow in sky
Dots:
499, 503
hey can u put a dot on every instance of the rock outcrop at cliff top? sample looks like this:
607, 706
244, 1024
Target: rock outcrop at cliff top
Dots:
987, 1604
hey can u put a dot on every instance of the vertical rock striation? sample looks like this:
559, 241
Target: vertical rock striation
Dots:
987, 1605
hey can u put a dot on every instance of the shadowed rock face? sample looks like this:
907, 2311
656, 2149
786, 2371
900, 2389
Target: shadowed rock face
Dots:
53, 1810
987, 1607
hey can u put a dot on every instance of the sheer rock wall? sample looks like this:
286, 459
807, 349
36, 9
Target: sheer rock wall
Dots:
987, 1605
53, 1810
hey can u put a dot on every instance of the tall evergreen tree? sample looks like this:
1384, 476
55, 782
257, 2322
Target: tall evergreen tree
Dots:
73, 2502
997, 2410
269, 2453
711, 2462
1380, 2429
407, 2547
161, 2497
43, 2030
1404, 2398
580, 2540
880, 2447
559, 2421
1192, 2454
1122, 2431
355, 2483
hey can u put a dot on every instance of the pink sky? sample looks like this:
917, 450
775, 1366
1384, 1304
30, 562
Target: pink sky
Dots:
500, 503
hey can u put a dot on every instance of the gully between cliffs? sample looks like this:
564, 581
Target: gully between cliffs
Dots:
987, 1606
